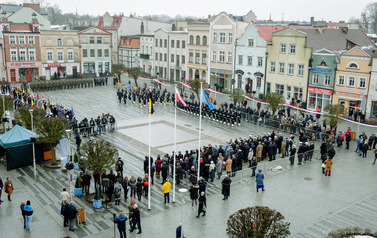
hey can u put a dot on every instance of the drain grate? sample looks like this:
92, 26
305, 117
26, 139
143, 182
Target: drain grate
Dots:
308, 179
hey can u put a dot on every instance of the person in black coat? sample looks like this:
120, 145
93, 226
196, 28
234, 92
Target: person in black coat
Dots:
348, 139
202, 204
225, 184
121, 222
292, 155
202, 185
164, 172
139, 188
194, 194
136, 219
111, 176
71, 212
1, 188
254, 164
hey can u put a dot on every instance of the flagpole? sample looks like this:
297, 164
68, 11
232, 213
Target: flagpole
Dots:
175, 139
200, 126
149, 162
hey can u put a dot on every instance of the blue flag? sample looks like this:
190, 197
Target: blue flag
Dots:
73, 113
205, 99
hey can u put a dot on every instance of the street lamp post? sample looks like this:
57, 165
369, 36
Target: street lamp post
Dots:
32, 139
69, 144
183, 192
5, 127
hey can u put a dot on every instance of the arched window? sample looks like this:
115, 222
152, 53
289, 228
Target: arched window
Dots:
204, 40
190, 74
198, 40
353, 65
191, 40
60, 42
204, 75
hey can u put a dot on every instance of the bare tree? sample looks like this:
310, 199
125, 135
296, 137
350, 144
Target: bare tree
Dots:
365, 20
371, 15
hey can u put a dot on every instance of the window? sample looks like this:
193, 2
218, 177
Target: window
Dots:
31, 54
70, 55
259, 82
297, 93
291, 69
22, 54
204, 58
230, 56
50, 56
191, 40
292, 49
178, 44
268, 86
222, 37
99, 40
197, 58
351, 81
214, 57
341, 80
99, 53
260, 61
315, 79
156, 43
281, 67
172, 58
92, 53
230, 38
21, 40
160, 42
283, 48
353, 65
197, 42
204, 42
165, 57
100, 65
156, 56
165, 43
60, 55
362, 82
12, 40
250, 60
91, 40
214, 40
31, 40
240, 59
221, 56
300, 70
60, 42
251, 42
13, 54
279, 89
272, 67
177, 60
183, 44
183, 59
191, 57
84, 53
327, 80
107, 66
106, 52
160, 56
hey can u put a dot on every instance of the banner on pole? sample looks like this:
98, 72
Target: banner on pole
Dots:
64, 149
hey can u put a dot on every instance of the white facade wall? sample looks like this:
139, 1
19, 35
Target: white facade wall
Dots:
146, 49
166, 64
250, 60
371, 106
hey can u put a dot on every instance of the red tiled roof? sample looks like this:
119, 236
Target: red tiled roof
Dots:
5, 20
266, 31
129, 43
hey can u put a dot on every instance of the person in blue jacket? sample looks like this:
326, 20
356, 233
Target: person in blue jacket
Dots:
259, 180
28, 210
121, 222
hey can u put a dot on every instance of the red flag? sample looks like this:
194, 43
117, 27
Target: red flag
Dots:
179, 98
37, 95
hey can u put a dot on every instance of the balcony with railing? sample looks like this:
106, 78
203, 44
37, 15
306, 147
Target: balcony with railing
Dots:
144, 56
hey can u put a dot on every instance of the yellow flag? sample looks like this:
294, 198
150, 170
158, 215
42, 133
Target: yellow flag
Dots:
32, 103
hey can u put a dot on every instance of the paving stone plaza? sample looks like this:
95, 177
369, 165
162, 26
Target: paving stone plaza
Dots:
312, 203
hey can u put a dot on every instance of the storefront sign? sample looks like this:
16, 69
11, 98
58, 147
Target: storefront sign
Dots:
197, 67
320, 91
351, 95
23, 65
54, 65
321, 71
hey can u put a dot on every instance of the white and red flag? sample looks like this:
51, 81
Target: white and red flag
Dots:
179, 98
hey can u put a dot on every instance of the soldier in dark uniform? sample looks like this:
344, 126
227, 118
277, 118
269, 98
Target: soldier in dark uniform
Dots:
300, 153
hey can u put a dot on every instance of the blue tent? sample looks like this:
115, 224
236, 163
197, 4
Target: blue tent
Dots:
17, 136
18, 148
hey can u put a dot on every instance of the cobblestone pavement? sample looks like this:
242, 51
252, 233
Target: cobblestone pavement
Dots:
312, 204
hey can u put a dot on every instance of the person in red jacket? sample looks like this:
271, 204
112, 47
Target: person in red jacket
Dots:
86, 182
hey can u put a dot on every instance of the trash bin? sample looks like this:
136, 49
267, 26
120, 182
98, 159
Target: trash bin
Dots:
80, 216
353, 135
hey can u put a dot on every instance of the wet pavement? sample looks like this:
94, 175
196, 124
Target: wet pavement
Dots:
312, 203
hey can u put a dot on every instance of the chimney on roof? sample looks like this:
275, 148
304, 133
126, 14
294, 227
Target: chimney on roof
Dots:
35, 6
142, 28
209, 16
173, 27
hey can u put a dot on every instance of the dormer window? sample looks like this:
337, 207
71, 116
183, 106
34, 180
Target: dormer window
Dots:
36, 29
60, 42
353, 65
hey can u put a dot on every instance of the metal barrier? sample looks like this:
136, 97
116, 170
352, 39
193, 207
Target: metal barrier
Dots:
95, 130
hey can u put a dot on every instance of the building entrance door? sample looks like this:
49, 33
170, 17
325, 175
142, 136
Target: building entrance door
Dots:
13, 75
28, 74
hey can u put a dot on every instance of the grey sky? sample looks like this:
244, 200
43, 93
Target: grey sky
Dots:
330, 10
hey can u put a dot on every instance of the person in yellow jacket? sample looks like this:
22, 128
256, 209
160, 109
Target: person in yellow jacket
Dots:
166, 190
